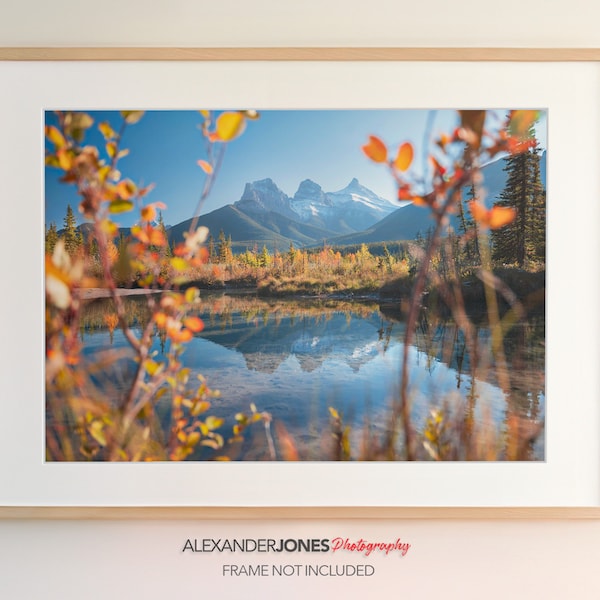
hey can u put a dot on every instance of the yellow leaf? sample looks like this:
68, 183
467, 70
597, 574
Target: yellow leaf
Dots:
103, 173
65, 159
52, 161
152, 367
96, 430
193, 438
199, 407
132, 116
191, 295
111, 149
375, 149
213, 422
119, 205
230, 125
55, 136
179, 264
405, 157
107, 131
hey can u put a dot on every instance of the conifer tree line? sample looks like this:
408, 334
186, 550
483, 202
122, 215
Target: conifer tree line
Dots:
70, 234
522, 242
74, 240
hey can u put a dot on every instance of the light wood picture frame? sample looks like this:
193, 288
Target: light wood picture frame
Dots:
29, 504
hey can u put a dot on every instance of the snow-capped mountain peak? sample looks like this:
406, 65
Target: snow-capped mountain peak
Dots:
264, 196
351, 209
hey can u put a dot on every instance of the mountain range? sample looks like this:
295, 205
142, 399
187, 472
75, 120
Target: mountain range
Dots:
265, 215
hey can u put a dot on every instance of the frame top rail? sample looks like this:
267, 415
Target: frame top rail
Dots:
299, 54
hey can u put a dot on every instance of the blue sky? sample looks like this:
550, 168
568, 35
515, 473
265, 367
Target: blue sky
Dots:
287, 146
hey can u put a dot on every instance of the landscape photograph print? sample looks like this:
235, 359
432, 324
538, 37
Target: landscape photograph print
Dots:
295, 285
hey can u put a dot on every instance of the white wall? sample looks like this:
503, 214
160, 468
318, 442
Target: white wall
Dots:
307, 23
94, 559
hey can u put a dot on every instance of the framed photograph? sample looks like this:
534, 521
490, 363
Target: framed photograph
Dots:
351, 247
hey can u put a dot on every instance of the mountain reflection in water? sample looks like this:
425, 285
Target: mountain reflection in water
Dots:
297, 359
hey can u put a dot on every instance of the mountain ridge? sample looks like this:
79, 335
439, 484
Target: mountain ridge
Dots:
266, 216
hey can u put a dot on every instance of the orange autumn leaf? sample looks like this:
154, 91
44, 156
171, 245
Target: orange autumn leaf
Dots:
494, 218
179, 336
126, 189
405, 157
375, 149
419, 201
140, 234
194, 324
205, 166
500, 216
148, 213
157, 238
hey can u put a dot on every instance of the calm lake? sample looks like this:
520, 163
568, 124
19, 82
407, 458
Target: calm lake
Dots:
296, 359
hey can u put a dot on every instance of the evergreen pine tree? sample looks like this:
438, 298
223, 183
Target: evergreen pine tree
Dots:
212, 254
523, 240
70, 234
265, 257
51, 238
225, 254
161, 225
469, 225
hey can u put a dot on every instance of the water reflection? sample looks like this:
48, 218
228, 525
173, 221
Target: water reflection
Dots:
298, 359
